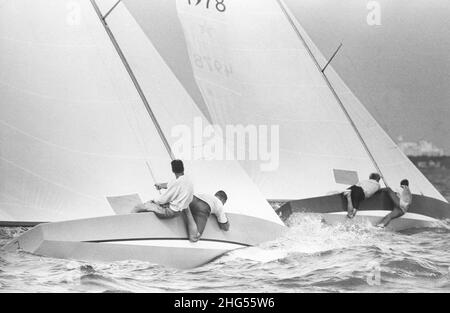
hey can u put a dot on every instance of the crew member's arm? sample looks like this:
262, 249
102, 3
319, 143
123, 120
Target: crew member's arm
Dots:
160, 186
221, 217
224, 226
191, 226
168, 195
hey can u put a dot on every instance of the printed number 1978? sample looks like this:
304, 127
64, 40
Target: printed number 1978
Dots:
219, 4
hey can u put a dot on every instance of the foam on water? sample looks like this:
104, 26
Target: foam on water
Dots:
308, 234
311, 256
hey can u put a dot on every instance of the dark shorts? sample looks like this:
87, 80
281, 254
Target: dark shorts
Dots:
357, 195
200, 212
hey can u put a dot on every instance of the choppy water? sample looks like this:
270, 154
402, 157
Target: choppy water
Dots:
311, 257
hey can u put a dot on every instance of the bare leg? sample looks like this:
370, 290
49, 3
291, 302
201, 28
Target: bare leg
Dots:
160, 211
395, 199
140, 208
396, 213
350, 208
192, 229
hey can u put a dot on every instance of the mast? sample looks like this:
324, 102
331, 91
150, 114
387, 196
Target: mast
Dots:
132, 76
330, 86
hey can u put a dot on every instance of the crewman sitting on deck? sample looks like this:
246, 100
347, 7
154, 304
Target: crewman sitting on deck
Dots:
204, 205
402, 200
174, 201
362, 190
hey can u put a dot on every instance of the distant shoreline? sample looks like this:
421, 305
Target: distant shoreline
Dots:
425, 161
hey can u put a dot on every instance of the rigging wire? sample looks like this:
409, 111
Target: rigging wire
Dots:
330, 86
134, 80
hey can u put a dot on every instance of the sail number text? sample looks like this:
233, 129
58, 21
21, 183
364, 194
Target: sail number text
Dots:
212, 65
219, 5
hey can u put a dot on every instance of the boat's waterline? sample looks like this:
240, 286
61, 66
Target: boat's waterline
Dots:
143, 237
382, 213
407, 221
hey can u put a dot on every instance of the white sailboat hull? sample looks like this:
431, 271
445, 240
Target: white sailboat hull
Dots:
142, 237
424, 211
407, 221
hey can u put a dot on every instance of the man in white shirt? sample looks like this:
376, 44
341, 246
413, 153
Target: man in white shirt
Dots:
401, 200
175, 200
203, 205
362, 190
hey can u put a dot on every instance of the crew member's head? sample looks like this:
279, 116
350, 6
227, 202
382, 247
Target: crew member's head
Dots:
222, 196
375, 176
177, 167
404, 182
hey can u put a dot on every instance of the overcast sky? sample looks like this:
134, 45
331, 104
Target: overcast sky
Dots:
400, 70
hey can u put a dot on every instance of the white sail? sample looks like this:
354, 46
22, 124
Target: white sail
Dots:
73, 129
174, 107
68, 127
393, 163
269, 77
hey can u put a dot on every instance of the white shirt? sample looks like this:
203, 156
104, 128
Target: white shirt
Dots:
369, 186
179, 194
216, 207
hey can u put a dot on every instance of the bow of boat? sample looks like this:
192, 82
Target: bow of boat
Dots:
143, 237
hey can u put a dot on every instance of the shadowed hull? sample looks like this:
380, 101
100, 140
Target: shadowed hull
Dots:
142, 237
422, 211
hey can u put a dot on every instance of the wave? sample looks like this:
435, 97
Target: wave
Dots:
307, 234
311, 256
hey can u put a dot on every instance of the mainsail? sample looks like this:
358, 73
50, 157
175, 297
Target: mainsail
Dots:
69, 117
73, 129
254, 64
390, 160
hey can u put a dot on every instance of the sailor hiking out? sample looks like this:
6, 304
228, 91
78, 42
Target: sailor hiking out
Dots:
401, 199
174, 201
361, 191
203, 205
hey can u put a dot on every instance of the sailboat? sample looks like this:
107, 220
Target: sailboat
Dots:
277, 76
87, 106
